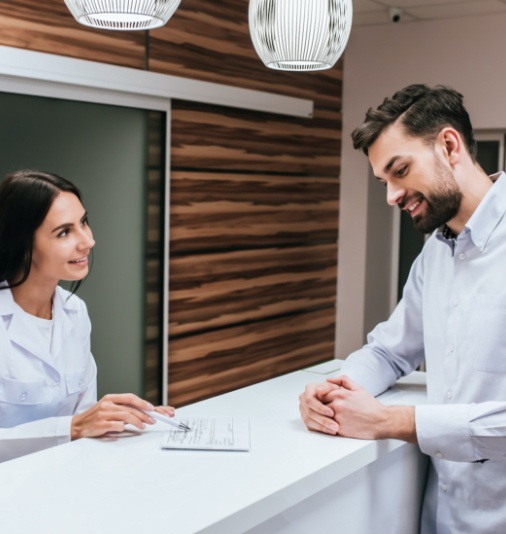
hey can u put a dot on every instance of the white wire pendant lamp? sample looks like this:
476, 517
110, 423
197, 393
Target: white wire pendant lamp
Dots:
123, 14
300, 35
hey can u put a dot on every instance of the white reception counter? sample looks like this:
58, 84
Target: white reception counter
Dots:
291, 481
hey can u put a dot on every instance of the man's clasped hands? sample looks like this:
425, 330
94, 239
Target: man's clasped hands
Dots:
341, 407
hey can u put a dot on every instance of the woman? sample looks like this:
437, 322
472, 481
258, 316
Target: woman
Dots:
47, 373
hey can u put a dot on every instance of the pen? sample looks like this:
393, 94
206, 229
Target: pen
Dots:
169, 420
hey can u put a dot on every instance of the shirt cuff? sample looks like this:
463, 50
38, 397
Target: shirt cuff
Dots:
63, 429
443, 432
370, 373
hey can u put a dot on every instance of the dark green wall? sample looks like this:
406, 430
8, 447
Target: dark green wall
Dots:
102, 149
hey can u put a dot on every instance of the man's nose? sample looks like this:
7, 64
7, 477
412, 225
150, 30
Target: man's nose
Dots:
394, 194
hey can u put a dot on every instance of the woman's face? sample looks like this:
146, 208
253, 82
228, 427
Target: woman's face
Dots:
62, 242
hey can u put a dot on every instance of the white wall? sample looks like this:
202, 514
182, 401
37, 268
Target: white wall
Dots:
466, 54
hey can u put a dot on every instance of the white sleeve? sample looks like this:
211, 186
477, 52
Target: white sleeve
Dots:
394, 348
33, 436
462, 432
89, 396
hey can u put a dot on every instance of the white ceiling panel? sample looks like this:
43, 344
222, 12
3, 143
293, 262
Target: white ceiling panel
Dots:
376, 17
422, 3
370, 12
364, 6
464, 9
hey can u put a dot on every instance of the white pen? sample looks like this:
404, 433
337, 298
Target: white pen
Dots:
169, 420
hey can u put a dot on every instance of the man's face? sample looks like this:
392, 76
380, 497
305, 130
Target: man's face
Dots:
418, 179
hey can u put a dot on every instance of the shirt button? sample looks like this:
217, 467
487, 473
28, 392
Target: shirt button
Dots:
22, 397
462, 256
449, 394
444, 487
439, 454
451, 348
455, 302
54, 385
81, 383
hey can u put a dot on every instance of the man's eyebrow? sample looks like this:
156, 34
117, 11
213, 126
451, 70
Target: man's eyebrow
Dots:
388, 166
67, 225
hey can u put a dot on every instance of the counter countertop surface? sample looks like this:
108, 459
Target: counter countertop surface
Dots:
129, 484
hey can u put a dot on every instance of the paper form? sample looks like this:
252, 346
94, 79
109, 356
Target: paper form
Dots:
210, 433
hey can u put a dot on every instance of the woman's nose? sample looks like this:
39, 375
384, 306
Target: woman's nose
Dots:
86, 241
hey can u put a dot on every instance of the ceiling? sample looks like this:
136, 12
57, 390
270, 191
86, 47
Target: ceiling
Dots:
370, 12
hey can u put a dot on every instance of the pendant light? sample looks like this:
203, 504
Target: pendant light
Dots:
300, 35
123, 14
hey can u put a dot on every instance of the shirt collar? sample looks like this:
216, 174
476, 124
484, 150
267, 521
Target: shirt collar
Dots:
489, 212
60, 300
485, 218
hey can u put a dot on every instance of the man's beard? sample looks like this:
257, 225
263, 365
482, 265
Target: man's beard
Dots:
442, 204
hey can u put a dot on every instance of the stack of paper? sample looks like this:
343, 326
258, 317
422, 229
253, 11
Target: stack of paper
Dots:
210, 433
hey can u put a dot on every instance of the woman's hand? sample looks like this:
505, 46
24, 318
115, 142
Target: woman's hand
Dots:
166, 410
112, 413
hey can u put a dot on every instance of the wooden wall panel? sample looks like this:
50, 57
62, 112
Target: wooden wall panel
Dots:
254, 228
212, 290
155, 198
48, 26
216, 362
217, 210
208, 137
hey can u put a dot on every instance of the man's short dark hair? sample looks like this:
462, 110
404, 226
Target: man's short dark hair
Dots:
423, 111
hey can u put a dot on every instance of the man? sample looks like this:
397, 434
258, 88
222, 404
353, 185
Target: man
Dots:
452, 314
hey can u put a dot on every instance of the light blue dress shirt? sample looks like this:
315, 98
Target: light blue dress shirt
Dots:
453, 314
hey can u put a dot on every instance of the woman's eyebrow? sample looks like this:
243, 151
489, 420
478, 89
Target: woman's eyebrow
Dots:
61, 226
66, 225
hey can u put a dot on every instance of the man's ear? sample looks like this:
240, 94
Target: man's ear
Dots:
451, 145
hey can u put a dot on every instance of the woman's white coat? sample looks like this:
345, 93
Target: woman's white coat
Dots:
40, 390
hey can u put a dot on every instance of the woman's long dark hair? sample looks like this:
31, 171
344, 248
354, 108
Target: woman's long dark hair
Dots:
25, 199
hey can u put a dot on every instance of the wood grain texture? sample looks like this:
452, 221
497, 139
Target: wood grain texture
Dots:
155, 196
222, 210
210, 41
211, 137
242, 182
48, 26
216, 362
212, 290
